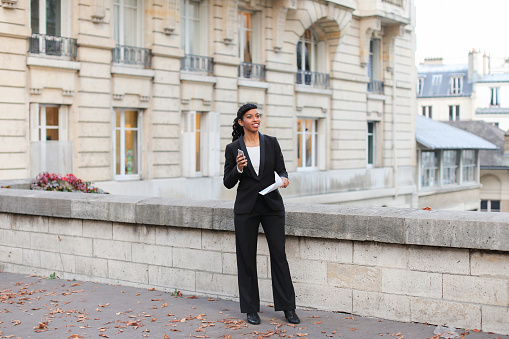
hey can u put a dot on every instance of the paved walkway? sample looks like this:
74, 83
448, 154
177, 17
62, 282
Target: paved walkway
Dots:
35, 307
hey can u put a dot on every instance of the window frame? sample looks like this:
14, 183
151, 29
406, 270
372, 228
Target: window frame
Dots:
454, 112
122, 128
301, 150
420, 85
120, 23
427, 111
470, 167
456, 85
437, 79
190, 46
436, 178
450, 171
489, 204
495, 96
371, 138
65, 14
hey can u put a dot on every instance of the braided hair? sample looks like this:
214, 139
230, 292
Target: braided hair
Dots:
238, 130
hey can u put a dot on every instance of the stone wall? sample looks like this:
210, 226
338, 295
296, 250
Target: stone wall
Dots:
438, 267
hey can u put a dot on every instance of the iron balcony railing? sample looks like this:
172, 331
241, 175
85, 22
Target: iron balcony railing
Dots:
376, 87
314, 79
52, 45
129, 55
252, 71
197, 63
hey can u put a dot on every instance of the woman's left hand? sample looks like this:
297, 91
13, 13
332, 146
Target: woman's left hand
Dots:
286, 182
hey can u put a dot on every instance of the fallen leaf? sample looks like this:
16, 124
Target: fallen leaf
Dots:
476, 330
166, 337
353, 329
192, 297
316, 323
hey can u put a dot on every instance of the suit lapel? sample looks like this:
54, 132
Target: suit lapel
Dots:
262, 155
246, 153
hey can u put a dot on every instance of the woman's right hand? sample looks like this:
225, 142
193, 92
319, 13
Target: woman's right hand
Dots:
241, 162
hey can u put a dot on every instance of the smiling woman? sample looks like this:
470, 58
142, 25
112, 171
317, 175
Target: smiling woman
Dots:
251, 161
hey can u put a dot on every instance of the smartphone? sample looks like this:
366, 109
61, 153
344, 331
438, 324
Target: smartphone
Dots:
240, 152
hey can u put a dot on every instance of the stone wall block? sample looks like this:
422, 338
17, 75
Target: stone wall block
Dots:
412, 283
308, 271
220, 284
134, 233
110, 249
440, 312
98, 229
14, 238
323, 297
354, 277
484, 263
58, 262
479, 290
30, 223
75, 245
197, 259
128, 271
381, 305
92, 267
11, 255
230, 263
494, 319
44, 242
152, 254
329, 250
218, 241
170, 278
31, 258
5, 221
178, 237
442, 260
379, 254
62, 226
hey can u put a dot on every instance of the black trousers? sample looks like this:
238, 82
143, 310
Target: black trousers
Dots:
246, 237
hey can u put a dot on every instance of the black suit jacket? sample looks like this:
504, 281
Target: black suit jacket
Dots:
271, 160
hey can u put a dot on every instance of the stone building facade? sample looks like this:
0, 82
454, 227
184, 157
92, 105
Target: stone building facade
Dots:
139, 96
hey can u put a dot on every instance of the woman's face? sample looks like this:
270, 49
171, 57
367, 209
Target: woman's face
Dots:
250, 121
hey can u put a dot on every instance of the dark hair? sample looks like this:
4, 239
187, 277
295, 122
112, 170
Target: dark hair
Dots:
238, 130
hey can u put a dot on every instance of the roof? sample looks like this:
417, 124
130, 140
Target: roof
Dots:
500, 77
488, 158
442, 89
436, 135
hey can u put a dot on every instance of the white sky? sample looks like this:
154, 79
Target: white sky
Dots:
451, 28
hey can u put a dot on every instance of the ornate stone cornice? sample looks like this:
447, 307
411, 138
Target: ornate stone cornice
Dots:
230, 22
172, 16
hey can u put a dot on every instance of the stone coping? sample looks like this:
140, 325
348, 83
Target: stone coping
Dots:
405, 226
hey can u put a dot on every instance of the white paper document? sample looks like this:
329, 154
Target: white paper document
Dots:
274, 186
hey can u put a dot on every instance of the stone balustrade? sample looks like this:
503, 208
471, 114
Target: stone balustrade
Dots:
438, 267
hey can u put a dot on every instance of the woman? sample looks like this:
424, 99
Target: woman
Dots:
251, 160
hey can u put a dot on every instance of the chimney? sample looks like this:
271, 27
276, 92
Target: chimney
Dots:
433, 61
506, 144
475, 65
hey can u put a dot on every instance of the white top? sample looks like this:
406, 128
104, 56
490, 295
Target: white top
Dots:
254, 155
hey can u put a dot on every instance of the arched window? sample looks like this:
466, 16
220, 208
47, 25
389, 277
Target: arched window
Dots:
306, 51
311, 57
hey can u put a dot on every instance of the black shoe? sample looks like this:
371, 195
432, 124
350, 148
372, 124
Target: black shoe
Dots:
292, 317
253, 318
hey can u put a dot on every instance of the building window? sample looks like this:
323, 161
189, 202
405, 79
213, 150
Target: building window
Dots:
449, 167
126, 143
371, 144
468, 165
50, 150
375, 84
490, 205
456, 85
427, 111
420, 86
191, 35
454, 112
306, 143
127, 30
429, 169
200, 143
245, 36
437, 79
46, 17
495, 96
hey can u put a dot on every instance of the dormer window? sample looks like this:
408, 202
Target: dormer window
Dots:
456, 84
437, 79
420, 86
